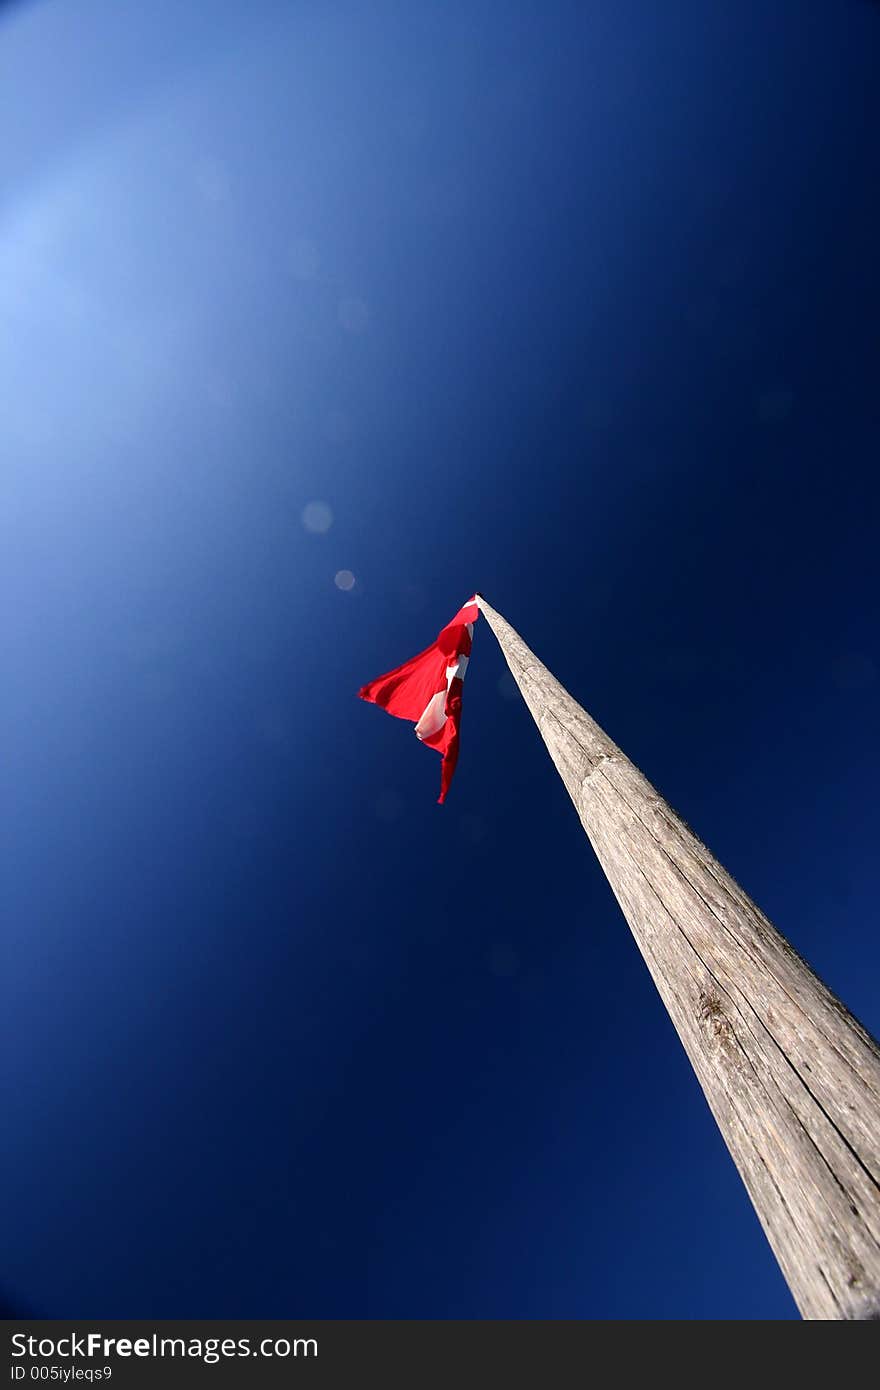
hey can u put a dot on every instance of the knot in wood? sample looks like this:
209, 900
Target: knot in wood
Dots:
713, 1017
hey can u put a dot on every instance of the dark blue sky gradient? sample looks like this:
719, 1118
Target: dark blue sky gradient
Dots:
577, 305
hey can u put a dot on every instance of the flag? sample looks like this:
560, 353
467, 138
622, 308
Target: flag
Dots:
427, 689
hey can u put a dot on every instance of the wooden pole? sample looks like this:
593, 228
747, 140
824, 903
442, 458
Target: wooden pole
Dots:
791, 1077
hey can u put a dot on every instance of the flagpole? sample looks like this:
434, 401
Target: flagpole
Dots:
792, 1079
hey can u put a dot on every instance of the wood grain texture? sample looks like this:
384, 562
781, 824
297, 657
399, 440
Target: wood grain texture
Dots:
792, 1079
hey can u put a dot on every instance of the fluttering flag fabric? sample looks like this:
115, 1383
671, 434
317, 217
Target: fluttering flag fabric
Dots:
427, 689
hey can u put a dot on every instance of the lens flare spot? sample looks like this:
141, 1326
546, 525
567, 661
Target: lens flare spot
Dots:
317, 518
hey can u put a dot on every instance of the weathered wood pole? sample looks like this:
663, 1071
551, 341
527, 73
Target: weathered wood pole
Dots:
792, 1079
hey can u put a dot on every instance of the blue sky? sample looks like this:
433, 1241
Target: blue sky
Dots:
577, 306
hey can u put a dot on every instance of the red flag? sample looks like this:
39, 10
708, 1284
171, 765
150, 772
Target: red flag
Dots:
427, 689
